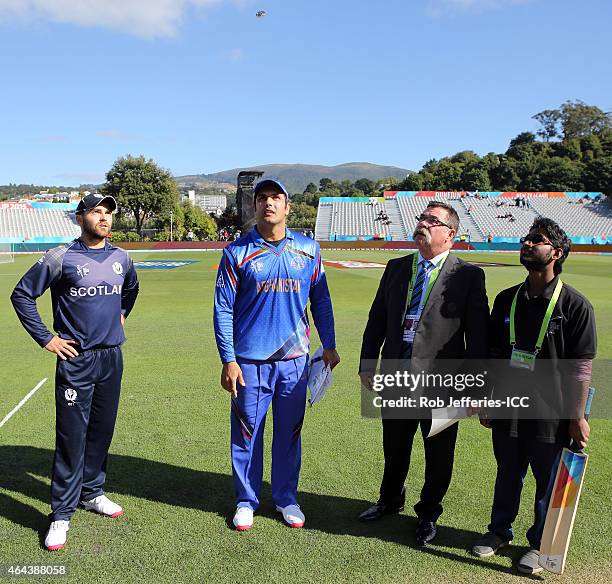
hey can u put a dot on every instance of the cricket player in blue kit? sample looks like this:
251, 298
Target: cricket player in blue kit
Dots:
93, 289
264, 282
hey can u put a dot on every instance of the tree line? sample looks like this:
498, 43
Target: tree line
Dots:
572, 151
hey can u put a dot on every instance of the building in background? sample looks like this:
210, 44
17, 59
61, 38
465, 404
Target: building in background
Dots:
212, 203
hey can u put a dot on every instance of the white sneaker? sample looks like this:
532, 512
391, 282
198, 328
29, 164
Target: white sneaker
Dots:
293, 516
104, 506
56, 536
243, 518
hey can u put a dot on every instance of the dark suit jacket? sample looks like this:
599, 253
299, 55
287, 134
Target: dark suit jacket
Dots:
453, 324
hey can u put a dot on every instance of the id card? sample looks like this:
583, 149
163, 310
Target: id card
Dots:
410, 327
522, 359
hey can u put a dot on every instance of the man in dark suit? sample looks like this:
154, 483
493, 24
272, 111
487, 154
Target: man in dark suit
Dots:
438, 313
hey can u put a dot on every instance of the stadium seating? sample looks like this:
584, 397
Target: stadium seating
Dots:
486, 214
481, 215
591, 218
323, 225
38, 221
357, 218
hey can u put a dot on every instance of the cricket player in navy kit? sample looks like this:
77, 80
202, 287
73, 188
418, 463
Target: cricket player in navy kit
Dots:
93, 289
264, 282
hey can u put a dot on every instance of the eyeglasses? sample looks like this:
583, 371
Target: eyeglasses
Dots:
535, 239
431, 220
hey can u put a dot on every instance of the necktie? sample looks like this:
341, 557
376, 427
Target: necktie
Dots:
417, 291
415, 299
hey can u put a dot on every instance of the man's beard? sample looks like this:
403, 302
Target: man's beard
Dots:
91, 232
534, 263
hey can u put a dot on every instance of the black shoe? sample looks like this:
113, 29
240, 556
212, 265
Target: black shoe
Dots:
375, 512
426, 531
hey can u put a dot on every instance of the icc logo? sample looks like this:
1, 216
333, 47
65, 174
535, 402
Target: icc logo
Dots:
220, 282
118, 268
70, 395
256, 266
82, 271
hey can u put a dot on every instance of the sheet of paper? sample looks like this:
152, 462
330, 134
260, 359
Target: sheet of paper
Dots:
443, 418
319, 377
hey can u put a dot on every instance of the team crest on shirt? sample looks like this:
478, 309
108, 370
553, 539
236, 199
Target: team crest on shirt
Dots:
256, 266
297, 263
70, 395
82, 271
555, 325
118, 268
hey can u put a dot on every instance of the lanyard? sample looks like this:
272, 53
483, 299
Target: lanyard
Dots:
432, 277
544, 326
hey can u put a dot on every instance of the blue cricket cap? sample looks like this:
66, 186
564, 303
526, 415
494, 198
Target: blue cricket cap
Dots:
269, 182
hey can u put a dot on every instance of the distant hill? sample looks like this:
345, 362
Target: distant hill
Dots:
297, 176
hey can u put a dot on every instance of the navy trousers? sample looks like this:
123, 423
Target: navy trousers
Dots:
514, 456
87, 391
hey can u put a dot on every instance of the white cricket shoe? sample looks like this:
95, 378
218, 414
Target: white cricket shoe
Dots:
104, 506
293, 516
56, 536
243, 518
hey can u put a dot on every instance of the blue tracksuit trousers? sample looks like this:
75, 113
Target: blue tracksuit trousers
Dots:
282, 383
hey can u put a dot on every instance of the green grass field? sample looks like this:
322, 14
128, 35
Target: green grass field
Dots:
170, 468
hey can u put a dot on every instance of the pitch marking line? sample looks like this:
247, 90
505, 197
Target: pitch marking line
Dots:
23, 401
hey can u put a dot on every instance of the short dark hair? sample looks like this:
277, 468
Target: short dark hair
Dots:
557, 237
453, 218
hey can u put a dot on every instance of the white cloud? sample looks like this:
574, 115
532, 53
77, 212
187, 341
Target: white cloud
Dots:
145, 18
440, 7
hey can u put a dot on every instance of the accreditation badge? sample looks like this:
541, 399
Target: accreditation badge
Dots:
410, 326
522, 359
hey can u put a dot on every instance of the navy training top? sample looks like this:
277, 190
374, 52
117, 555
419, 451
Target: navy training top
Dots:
90, 289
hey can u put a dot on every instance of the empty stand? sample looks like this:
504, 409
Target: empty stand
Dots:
324, 219
359, 219
586, 219
28, 223
480, 215
397, 228
487, 216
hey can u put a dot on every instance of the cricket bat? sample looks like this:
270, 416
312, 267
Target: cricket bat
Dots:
563, 505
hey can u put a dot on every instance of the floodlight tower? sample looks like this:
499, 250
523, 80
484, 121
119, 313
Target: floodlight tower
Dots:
244, 198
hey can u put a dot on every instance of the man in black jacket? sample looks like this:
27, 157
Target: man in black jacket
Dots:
435, 311
543, 340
